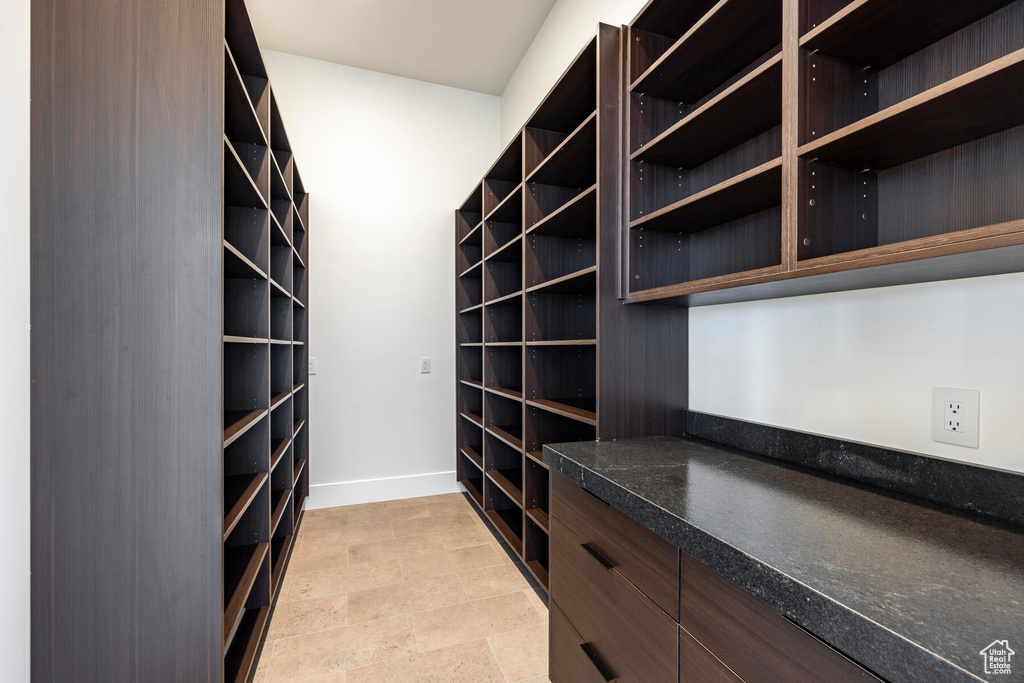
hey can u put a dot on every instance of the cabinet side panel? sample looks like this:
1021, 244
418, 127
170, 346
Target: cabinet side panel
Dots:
126, 262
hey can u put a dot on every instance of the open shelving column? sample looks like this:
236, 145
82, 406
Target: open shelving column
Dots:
773, 140
265, 334
527, 301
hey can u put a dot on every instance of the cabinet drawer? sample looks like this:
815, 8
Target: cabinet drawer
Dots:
634, 639
647, 560
568, 658
752, 639
697, 665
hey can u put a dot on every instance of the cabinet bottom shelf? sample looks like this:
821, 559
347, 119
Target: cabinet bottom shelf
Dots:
241, 656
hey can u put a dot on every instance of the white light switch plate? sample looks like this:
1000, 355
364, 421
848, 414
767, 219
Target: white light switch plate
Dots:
425, 366
955, 416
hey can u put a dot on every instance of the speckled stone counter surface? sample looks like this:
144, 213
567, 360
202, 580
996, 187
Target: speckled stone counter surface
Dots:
910, 590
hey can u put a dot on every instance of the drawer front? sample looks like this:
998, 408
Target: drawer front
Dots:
647, 560
752, 639
633, 638
697, 665
568, 660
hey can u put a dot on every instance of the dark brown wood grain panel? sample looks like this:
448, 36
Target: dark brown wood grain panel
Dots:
635, 640
751, 638
648, 561
567, 659
126, 421
697, 665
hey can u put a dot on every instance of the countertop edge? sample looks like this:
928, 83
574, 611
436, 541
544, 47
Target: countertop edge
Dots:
879, 649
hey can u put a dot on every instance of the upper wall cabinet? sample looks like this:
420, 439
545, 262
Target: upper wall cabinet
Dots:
864, 143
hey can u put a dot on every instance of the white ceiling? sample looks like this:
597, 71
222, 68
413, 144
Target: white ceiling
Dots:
471, 44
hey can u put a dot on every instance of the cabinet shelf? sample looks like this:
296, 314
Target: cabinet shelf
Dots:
473, 236
239, 187
299, 466
473, 417
979, 103
239, 493
756, 190
581, 282
238, 266
743, 111
507, 253
510, 209
507, 300
476, 384
474, 271
241, 122
231, 339
280, 448
539, 571
538, 457
564, 342
299, 424
473, 457
473, 490
278, 236
241, 566
240, 656
580, 410
539, 517
696, 64
280, 505
879, 33
470, 309
513, 394
507, 437
505, 528
577, 218
503, 480
573, 162
279, 400
239, 422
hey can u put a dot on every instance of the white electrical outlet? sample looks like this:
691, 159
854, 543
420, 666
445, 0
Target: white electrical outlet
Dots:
424, 366
955, 416
312, 366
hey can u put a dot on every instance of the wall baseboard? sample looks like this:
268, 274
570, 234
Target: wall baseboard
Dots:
377, 490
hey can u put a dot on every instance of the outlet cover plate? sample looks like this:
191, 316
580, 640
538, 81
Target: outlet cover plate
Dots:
312, 366
964, 407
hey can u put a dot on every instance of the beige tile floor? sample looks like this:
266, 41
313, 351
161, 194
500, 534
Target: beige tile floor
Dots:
408, 591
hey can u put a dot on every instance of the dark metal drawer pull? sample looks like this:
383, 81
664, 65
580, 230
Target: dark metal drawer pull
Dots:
597, 556
598, 664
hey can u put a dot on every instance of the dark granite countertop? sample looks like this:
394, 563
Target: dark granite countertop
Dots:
912, 591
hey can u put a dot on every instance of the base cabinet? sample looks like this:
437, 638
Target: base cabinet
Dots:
606, 626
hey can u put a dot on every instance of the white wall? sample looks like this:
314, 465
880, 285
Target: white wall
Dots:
570, 24
386, 161
861, 365
14, 340
857, 365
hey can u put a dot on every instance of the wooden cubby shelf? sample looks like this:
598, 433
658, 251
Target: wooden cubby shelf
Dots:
750, 192
984, 101
770, 158
265, 333
506, 437
744, 110
239, 493
475, 419
547, 215
577, 410
880, 33
724, 41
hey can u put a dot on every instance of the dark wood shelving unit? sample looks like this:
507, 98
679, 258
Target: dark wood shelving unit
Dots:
265, 335
804, 146
536, 260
